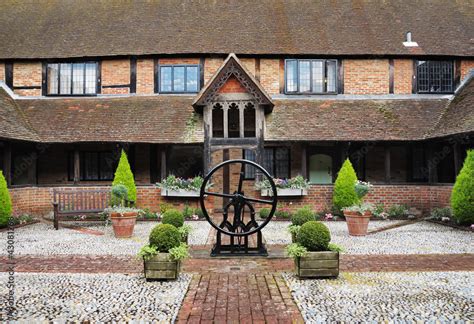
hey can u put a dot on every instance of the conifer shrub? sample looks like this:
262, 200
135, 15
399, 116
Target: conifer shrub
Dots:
344, 194
124, 176
164, 237
314, 236
173, 217
5, 202
462, 197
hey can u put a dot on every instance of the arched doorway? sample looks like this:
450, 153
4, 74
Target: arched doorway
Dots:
320, 169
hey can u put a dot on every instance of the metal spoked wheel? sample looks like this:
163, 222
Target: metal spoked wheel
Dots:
240, 203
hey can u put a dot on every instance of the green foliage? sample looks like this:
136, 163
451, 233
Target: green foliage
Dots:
378, 209
179, 253
175, 183
397, 211
22, 219
360, 208
297, 182
148, 214
199, 212
164, 207
164, 237
314, 236
264, 212
362, 188
462, 197
5, 202
185, 230
119, 194
440, 213
344, 194
296, 250
303, 215
188, 211
335, 248
124, 176
147, 252
173, 217
283, 212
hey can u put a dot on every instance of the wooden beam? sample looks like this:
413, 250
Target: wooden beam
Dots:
163, 163
77, 165
7, 163
390, 77
304, 171
387, 164
241, 120
457, 159
154, 163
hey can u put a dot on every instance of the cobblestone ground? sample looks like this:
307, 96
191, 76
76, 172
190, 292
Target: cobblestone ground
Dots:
394, 297
42, 239
94, 297
417, 238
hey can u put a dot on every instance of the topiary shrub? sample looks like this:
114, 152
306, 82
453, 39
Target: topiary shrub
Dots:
173, 217
314, 236
124, 176
165, 237
462, 197
5, 202
264, 212
303, 215
344, 194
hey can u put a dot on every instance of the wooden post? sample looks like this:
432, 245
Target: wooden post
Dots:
304, 171
387, 164
77, 165
7, 163
241, 120
153, 163
457, 159
163, 163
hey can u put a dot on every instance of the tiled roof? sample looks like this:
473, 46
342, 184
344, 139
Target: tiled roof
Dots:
459, 116
13, 124
80, 28
150, 119
353, 120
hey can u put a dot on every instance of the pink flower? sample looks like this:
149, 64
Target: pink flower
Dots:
328, 216
472, 227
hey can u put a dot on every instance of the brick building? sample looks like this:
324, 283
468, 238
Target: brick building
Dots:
296, 86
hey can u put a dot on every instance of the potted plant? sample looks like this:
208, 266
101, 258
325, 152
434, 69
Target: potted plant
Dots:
314, 255
296, 186
357, 218
123, 218
163, 255
302, 216
176, 218
174, 186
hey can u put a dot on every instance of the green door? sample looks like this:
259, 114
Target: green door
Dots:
320, 168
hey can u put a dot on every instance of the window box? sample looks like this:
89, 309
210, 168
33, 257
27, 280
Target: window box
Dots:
179, 193
285, 192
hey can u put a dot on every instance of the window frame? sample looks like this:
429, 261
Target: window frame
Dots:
274, 149
173, 66
97, 79
325, 77
70, 166
453, 77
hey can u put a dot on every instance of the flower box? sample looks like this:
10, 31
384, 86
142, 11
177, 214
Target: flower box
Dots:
285, 192
318, 265
159, 267
179, 193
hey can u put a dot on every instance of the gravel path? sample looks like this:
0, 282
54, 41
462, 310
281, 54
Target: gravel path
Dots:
418, 238
42, 239
395, 297
94, 297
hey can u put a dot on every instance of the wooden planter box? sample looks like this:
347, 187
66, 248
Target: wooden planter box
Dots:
180, 193
161, 268
285, 192
318, 265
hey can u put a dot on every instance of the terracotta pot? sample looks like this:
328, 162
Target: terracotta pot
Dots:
356, 223
123, 224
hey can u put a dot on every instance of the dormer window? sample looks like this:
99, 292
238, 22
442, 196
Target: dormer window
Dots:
310, 76
72, 79
435, 76
179, 78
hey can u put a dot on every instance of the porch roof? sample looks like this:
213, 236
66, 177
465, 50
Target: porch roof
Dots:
459, 116
84, 28
13, 124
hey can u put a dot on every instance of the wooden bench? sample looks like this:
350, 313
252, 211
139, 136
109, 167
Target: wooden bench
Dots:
79, 202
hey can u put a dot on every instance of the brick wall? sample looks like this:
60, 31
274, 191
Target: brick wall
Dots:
249, 64
37, 200
26, 74
270, 75
211, 65
366, 76
145, 76
115, 72
232, 86
466, 66
402, 76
